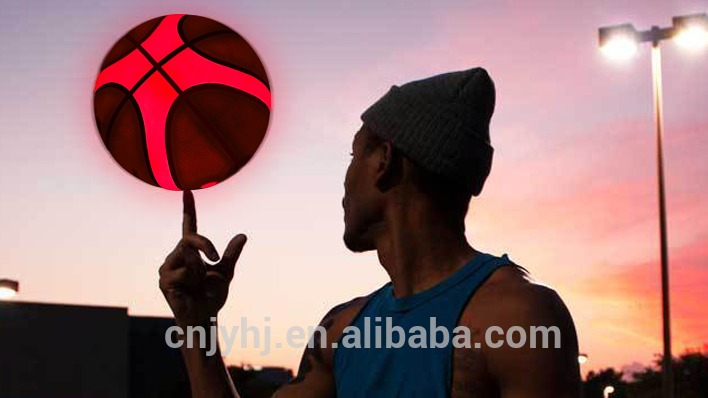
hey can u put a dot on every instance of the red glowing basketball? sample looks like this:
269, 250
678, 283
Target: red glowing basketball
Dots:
182, 102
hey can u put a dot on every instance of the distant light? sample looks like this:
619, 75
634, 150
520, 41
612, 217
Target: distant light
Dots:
607, 391
8, 288
619, 42
582, 358
692, 37
620, 49
6, 293
691, 30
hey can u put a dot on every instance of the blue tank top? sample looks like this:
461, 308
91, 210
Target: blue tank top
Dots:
407, 371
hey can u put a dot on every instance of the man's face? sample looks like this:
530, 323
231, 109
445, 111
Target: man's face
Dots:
362, 200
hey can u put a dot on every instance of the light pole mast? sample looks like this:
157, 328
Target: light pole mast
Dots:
620, 41
667, 384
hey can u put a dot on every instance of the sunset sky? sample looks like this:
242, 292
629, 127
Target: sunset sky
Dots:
572, 195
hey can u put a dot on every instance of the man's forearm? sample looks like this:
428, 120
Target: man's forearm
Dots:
208, 375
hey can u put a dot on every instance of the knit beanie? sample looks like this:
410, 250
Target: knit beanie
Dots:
441, 123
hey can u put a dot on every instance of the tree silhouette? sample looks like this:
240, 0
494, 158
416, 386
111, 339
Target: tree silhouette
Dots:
690, 370
595, 383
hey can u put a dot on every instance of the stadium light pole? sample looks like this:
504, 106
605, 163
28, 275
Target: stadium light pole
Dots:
621, 41
8, 288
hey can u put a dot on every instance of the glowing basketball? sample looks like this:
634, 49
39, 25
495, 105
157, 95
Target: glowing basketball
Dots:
182, 102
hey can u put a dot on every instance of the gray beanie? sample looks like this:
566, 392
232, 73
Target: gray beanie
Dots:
441, 123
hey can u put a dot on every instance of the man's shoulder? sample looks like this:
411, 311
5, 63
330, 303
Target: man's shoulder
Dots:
343, 314
511, 307
509, 296
336, 320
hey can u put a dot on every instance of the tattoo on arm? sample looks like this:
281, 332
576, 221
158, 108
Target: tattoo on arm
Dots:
313, 352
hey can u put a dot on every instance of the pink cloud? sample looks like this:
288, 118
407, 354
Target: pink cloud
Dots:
623, 308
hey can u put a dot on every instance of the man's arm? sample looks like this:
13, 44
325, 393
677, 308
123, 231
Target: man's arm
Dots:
315, 376
208, 375
196, 291
541, 371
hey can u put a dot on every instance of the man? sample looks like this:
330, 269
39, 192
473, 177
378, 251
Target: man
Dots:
422, 153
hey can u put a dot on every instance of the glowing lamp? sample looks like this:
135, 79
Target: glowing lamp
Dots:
691, 31
8, 288
619, 41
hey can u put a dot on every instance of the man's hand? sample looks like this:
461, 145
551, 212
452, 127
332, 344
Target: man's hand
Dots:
195, 290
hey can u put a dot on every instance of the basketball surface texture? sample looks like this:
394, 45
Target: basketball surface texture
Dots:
182, 102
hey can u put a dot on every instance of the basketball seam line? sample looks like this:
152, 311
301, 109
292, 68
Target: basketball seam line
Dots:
190, 44
214, 133
149, 33
154, 69
128, 96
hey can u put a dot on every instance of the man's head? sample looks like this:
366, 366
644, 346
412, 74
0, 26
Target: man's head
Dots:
426, 142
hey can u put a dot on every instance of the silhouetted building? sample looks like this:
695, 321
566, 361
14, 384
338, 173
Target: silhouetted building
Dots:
156, 370
275, 375
69, 351
262, 383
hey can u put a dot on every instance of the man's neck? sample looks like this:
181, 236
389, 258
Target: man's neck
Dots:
418, 250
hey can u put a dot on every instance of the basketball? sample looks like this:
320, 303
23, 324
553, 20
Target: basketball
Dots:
182, 102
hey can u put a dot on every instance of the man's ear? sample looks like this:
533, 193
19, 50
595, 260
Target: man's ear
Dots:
389, 166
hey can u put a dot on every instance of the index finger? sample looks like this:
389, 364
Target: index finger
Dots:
189, 220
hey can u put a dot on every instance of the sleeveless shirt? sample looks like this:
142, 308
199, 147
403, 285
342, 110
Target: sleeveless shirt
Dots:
387, 358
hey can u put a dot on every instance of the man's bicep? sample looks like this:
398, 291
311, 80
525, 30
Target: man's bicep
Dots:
315, 375
314, 380
538, 370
